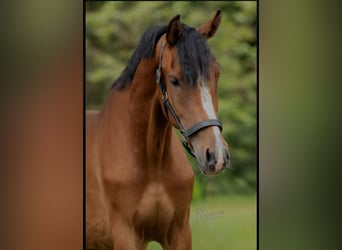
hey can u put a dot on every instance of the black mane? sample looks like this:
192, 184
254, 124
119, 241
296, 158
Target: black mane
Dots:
193, 53
145, 49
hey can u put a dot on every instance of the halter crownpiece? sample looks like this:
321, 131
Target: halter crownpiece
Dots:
168, 107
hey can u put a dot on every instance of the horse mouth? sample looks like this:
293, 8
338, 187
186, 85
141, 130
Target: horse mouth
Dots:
207, 171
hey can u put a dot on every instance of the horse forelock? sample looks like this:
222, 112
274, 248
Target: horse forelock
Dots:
194, 55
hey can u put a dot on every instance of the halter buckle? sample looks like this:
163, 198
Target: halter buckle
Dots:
162, 88
187, 146
164, 97
158, 74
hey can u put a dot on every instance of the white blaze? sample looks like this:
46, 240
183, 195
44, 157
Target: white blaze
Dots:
207, 104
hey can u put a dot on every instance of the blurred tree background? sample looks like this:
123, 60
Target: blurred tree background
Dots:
113, 30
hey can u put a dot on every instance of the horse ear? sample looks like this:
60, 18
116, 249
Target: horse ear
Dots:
209, 28
174, 30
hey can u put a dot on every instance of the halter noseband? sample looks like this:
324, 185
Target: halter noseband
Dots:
168, 107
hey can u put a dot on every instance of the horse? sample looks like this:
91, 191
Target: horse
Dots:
139, 181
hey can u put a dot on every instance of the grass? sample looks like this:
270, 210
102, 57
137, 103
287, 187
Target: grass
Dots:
224, 222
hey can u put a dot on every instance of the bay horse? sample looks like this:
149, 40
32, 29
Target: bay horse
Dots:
139, 181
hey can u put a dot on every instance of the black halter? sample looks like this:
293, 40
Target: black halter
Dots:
193, 129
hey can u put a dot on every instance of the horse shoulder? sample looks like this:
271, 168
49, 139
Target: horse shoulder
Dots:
91, 118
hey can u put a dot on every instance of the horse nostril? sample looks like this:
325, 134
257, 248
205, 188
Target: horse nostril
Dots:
211, 161
226, 158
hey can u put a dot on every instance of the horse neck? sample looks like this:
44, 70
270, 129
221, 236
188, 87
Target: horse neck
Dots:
147, 128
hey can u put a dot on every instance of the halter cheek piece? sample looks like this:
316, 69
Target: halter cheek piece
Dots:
168, 107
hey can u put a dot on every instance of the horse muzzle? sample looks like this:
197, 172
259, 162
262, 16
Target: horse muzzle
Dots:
213, 161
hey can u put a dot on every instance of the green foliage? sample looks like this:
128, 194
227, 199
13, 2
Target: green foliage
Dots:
197, 194
113, 30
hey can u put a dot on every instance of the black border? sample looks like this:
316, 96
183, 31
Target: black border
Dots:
257, 124
84, 125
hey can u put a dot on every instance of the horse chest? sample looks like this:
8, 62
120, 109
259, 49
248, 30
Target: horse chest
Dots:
155, 213
155, 203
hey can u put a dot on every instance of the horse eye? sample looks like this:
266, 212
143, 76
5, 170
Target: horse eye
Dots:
174, 82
